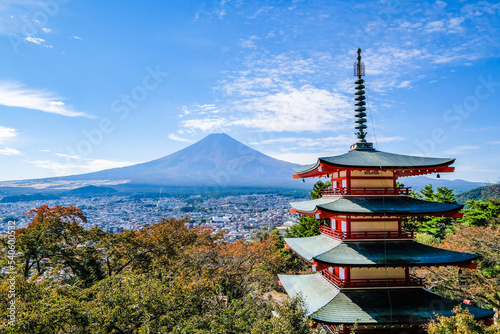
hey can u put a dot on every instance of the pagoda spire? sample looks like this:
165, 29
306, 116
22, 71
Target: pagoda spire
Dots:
359, 71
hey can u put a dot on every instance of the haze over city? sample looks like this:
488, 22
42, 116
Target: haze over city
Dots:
87, 85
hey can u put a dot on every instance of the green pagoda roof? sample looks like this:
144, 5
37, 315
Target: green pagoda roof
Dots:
376, 160
387, 253
374, 205
327, 304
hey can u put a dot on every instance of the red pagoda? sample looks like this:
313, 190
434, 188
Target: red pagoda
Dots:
362, 260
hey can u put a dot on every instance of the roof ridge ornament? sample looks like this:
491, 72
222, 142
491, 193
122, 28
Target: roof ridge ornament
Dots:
361, 143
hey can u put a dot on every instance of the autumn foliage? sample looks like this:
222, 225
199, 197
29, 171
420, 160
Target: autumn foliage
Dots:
163, 278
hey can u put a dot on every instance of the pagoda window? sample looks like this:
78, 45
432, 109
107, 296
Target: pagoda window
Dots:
342, 273
372, 179
374, 225
333, 224
378, 273
343, 226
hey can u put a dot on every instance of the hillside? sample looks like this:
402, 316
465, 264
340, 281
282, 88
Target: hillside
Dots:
480, 193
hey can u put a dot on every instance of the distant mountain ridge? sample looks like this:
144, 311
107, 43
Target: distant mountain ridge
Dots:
481, 193
459, 186
217, 160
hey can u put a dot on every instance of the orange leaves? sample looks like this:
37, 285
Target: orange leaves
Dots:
480, 285
69, 214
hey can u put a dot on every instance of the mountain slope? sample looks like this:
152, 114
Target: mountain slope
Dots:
481, 193
459, 186
215, 161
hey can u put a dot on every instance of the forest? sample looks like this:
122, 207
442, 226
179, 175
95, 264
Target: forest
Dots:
166, 278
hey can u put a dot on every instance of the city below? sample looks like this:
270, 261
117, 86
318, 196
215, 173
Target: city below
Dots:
237, 215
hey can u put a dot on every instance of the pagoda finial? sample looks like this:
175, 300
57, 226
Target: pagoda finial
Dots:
359, 71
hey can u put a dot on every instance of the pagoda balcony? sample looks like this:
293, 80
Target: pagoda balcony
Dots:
366, 235
371, 282
365, 191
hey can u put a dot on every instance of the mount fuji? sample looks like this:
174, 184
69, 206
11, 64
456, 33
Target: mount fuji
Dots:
217, 160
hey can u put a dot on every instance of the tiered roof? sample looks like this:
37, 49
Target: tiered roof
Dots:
332, 299
375, 160
328, 304
334, 252
384, 206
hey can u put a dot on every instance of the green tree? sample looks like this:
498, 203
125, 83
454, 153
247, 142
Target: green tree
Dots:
318, 186
57, 234
289, 261
481, 285
164, 278
461, 323
437, 227
307, 226
440, 195
481, 213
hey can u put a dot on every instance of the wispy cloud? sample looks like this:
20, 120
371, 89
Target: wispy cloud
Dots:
7, 133
249, 43
205, 124
16, 95
78, 165
35, 40
9, 151
298, 109
173, 136
461, 149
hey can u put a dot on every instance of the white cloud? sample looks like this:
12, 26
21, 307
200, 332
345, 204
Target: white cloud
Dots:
277, 140
46, 30
249, 43
35, 40
305, 158
435, 26
9, 151
389, 139
448, 26
63, 155
298, 158
461, 149
303, 109
15, 95
206, 124
79, 167
454, 24
77, 37
454, 56
177, 138
6, 133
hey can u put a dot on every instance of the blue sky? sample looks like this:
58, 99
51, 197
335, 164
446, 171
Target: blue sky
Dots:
88, 85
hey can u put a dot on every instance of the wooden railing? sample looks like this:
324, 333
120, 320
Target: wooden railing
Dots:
365, 191
332, 278
366, 235
371, 282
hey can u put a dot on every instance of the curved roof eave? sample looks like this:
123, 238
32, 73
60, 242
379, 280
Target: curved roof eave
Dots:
329, 251
376, 160
390, 306
374, 205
